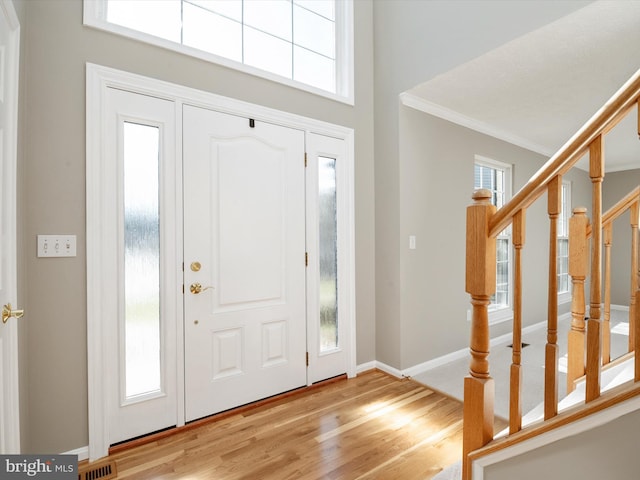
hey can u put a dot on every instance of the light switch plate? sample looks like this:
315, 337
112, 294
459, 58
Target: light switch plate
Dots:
56, 245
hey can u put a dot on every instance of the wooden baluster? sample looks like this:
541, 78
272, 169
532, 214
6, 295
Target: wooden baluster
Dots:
515, 402
636, 347
480, 284
606, 324
554, 191
636, 320
636, 328
633, 221
594, 332
578, 270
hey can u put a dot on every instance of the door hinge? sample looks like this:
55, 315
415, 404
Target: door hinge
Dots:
183, 289
306, 259
307, 359
305, 159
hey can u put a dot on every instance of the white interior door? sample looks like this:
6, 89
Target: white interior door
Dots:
9, 52
244, 253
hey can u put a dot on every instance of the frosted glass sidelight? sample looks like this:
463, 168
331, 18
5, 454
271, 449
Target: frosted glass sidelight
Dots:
141, 259
327, 215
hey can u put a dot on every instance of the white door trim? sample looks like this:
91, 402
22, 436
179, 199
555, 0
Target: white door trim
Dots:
10, 387
100, 78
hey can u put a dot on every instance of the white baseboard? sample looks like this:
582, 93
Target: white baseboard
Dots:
364, 367
380, 366
621, 308
82, 453
436, 362
449, 357
464, 353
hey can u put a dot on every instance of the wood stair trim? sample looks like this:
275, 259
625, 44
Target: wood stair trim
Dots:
609, 399
602, 122
619, 208
613, 363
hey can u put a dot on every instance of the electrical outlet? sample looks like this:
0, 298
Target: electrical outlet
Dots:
56, 245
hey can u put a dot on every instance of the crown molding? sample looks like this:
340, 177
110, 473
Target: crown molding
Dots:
418, 103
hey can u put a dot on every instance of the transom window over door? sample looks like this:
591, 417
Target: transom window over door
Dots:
305, 41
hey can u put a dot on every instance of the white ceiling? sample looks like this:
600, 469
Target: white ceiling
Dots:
542, 87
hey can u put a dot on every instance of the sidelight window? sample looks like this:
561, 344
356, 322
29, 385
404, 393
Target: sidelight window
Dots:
327, 216
141, 259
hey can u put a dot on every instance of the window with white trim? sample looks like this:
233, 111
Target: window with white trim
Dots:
304, 43
564, 281
496, 177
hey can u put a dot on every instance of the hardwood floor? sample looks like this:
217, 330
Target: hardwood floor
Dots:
374, 426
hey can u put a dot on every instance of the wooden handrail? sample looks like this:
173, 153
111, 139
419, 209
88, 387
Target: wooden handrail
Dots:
603, 121
613, 397
621, 206
484, 224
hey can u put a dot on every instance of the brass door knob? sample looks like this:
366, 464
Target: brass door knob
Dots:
7, 313
196, 288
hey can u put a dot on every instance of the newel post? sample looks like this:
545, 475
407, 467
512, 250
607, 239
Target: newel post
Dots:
578, 265
480, 284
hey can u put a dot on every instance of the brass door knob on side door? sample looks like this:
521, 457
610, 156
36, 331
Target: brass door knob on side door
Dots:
7, 313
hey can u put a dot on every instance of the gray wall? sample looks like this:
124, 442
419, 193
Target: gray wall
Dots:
606, 452
436, 178
52, 189
615, 186
415, 41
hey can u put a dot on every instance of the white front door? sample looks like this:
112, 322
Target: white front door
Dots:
244, 260
209, 200
9, 51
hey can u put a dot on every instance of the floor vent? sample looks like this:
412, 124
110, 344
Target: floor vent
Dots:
522, 345
104, 471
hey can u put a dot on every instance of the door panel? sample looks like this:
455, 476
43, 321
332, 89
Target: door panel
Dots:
250, 186
244, 244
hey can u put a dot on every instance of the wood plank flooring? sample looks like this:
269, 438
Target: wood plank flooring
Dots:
374, 426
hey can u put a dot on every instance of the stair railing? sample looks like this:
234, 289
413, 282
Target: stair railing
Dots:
484, 223
580, 232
